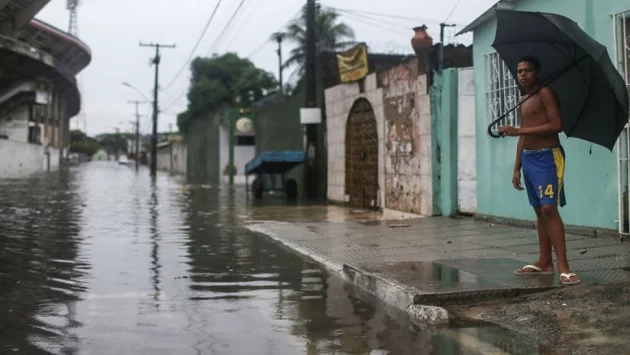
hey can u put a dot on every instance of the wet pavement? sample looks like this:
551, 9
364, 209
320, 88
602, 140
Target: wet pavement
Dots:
439, 261
100, 260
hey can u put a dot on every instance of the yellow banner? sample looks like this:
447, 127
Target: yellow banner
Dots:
353, 63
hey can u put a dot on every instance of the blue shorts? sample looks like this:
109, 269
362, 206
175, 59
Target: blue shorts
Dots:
543, 173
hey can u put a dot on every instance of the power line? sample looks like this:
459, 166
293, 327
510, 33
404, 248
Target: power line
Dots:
376, 23
241, 28
237, 25
192, 53
226, 26
452, 10
398, 17
255, 51
185, 89
266, 41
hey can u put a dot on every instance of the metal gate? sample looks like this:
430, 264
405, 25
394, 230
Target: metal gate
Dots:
621, 35
362, 156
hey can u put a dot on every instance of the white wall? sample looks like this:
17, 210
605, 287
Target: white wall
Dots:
339, 101
466, 155
180, 152
224, 144
19, 159
17, 128
242, 156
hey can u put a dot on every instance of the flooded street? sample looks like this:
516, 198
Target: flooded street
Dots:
99, 260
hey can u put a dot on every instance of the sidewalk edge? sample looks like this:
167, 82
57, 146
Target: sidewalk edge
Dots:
392, 293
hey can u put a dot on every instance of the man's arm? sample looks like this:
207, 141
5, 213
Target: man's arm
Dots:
519, 150
552, 107
521, 140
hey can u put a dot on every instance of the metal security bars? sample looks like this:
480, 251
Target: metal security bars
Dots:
502, 92
621, 36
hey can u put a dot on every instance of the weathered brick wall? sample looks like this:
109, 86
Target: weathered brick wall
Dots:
408, 180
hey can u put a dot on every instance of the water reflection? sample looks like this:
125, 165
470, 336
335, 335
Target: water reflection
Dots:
101, 260
154, 236
42, 267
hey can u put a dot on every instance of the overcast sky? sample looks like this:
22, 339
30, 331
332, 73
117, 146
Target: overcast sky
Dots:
114, 28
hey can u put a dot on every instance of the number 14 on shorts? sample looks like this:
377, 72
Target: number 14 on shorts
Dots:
548, 191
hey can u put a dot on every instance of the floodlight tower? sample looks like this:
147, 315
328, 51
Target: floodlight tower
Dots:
73, 29
72, 5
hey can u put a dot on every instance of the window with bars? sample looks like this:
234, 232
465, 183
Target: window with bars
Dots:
622, 44
502, 92
621, 34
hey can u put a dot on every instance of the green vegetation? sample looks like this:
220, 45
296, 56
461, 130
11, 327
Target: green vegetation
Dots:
114, 142
229, 80
81, 143
223, 80
333, 36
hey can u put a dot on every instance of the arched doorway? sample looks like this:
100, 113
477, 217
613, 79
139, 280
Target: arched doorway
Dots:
362, 156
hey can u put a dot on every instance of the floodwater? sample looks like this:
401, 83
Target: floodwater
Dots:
100, 260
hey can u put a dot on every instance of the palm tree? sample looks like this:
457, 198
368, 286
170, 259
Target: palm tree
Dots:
332, 35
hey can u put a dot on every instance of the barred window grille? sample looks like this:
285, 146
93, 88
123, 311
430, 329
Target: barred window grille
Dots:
502, 92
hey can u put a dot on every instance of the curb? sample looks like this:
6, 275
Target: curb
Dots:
395, 294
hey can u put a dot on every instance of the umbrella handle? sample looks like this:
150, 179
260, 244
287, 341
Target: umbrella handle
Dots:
494, 135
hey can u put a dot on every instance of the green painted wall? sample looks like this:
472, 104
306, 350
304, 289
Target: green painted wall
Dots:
278, 128
591, 179
203, 151
444, 115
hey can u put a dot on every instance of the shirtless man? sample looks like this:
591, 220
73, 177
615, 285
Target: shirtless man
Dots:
541, 157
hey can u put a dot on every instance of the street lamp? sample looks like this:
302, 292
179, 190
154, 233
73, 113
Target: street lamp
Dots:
124, 83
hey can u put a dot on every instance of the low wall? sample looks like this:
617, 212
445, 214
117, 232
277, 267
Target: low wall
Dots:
180, 155
18, 159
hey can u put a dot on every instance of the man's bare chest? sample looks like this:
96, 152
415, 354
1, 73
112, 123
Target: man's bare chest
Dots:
533, 110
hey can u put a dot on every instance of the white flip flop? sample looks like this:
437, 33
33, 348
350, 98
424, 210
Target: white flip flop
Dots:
537, 271
568, 276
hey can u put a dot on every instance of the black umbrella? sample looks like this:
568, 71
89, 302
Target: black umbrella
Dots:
593, 96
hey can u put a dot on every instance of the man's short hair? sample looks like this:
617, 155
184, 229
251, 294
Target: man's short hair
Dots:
533, 61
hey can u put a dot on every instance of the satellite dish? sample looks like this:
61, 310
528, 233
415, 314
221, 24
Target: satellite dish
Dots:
244, 125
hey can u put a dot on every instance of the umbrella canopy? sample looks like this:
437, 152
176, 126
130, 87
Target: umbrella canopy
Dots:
592, 94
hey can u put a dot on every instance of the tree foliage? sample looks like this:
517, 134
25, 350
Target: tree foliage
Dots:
332, 35
81, 143
223, 80
114, 142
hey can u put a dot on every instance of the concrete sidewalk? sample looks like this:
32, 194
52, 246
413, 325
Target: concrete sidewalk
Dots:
433, 261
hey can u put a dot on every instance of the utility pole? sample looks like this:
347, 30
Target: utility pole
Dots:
117, 143
154, 138
311, 173
170, 146
279, 37
441, 53
137, 134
